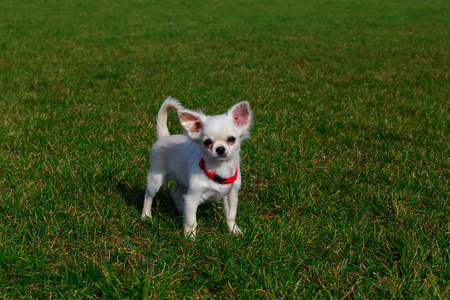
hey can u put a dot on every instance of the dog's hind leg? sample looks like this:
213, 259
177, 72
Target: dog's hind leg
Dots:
154, 182
177, 197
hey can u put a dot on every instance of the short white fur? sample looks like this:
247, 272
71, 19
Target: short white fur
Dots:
216, 139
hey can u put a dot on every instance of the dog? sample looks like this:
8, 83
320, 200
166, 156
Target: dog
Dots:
204, 162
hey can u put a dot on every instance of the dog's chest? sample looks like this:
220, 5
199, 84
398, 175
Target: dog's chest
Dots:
216, 193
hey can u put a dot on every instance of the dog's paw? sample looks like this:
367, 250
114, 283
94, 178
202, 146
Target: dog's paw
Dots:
145, 217
233, 228
190, 231
237, 231
190, 235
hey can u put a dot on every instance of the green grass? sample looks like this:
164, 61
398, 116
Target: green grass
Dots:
345, 179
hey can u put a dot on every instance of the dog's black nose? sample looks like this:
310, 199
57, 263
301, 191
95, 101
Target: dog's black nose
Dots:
220, 150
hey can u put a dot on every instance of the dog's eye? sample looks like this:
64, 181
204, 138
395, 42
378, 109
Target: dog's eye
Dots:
207, 142
231, 139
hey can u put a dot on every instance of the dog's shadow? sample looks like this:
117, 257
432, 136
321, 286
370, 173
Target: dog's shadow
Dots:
133, 195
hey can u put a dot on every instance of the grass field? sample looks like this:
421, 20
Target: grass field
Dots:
345, 179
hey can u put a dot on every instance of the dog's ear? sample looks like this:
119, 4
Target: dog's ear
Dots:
192, 122
241, 114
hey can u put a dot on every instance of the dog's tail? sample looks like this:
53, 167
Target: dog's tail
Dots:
161, 121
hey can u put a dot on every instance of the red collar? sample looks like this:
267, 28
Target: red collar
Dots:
215, 177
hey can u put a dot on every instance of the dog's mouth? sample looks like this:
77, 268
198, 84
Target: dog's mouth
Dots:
221, 156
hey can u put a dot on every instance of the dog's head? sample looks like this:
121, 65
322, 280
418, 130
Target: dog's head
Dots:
219, 136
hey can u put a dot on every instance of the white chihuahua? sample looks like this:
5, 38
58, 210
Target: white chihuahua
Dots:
204, 164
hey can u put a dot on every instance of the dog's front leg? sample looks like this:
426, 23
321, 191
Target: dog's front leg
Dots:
191, 203
230, 203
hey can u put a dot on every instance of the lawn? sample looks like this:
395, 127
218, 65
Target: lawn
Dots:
345, 178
